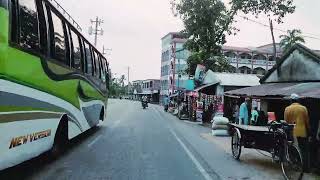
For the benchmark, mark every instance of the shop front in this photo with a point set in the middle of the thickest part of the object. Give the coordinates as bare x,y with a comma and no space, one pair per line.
210,98
297,72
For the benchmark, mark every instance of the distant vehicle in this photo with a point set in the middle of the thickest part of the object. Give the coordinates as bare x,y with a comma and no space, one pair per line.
53,83
144,104
166,107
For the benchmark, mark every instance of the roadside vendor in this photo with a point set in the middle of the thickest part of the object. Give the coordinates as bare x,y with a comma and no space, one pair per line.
254,116
244,113
298,114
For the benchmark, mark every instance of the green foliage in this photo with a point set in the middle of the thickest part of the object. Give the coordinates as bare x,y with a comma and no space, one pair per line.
208,22
276,9
215,63
204,22
290,39
117,87
193,60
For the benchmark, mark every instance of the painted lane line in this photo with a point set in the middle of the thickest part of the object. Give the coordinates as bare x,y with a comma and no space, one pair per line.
192,157
94,141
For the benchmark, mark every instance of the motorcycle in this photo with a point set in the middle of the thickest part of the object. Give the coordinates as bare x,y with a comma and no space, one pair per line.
166,107
144,104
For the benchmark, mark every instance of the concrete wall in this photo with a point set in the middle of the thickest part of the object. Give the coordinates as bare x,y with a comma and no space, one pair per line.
297,67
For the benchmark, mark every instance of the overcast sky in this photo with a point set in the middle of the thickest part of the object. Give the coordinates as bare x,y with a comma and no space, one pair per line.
134,28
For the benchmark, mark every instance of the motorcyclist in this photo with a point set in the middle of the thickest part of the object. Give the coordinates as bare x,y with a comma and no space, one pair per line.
166,101
144,99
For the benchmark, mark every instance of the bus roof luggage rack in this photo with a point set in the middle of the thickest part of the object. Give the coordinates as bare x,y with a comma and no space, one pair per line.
67,15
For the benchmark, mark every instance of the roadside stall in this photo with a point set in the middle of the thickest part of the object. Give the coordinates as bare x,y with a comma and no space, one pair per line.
192,97
211,93
173,103
297,72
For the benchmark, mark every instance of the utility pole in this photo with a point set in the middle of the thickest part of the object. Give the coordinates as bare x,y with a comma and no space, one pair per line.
174,66
128,80
95,30
273,42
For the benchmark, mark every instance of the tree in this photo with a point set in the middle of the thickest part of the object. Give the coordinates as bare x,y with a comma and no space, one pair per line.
122,78
117,87
207,22
204,27
290,39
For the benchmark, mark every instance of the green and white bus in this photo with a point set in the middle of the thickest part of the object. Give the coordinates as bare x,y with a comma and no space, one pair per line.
53,82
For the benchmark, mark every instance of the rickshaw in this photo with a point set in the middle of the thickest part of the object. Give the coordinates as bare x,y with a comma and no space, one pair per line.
277,139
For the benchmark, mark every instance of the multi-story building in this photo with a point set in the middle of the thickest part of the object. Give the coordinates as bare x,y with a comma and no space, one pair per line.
173,64
257,60
149,87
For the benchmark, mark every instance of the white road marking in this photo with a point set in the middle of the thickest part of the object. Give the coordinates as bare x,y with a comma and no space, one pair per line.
94,141
189,153
194,160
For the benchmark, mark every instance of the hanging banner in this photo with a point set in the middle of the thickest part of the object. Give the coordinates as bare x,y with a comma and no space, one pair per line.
199,111
200,72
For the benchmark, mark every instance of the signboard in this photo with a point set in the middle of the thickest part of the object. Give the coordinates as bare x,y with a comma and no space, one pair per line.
199,111
189,84
200,72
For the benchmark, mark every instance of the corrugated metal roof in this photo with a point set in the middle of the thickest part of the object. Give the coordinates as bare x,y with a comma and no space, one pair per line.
305,90
228,79
231,79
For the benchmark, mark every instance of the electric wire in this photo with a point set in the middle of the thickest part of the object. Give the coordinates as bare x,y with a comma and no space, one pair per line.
310,35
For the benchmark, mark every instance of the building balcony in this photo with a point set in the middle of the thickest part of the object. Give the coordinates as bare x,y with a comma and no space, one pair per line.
251,62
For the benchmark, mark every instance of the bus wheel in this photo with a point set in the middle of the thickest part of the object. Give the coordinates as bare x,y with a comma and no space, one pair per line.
102,114
60,140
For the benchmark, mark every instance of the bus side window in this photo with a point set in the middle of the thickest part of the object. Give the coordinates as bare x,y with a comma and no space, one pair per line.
43,27
88,58
93,62
76,51
14,22
96,62
98,65
102,77
68,44
105,69
83,55
28,26
109,75
58,39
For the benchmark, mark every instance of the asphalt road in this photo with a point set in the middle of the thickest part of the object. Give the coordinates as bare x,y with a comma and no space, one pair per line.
137,144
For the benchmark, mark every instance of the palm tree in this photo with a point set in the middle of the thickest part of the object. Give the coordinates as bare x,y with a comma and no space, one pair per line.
290,39
122,78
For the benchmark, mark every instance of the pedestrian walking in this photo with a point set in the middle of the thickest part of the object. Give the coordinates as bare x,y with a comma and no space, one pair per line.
244,113
254,116
298,114
236,113
166,102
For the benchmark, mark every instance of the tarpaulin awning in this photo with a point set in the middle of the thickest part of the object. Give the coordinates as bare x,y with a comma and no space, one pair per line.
279,90
206,89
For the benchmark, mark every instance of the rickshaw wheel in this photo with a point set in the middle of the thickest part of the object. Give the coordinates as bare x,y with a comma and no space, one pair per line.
236,144
292,164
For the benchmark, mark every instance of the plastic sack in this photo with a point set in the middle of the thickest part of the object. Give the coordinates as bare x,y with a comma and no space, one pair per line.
220,120
220,133
219,127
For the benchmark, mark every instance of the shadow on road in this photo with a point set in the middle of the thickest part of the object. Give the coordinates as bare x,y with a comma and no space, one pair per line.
28,168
